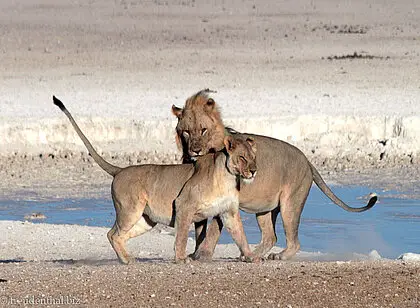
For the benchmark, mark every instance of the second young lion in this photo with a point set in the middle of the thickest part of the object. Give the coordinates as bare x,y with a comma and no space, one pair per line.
284,179
144,195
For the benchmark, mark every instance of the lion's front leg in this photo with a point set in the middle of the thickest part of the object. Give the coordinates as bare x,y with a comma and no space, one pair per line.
233,223
183,221
206,249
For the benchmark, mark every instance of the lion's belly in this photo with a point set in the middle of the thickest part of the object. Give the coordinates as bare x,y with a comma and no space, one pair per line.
253,208
252,199
216,207
160,205
162,214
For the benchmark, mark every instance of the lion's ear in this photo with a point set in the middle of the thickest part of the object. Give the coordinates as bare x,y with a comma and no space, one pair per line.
229,143
210,104
251,142
177,111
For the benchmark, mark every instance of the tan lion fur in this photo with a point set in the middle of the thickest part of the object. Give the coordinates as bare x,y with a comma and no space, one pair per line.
145,195
282,185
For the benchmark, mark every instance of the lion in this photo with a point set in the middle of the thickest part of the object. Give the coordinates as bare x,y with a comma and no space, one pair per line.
284,178
177,195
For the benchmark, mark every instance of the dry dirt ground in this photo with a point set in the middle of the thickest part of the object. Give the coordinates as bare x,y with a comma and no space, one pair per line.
119,63
221,284
54,264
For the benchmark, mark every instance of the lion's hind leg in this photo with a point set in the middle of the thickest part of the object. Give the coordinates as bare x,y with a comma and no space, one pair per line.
291,206
128,224
267,224
141,227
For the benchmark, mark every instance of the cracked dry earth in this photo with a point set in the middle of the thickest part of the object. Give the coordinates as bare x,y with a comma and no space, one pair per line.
217,284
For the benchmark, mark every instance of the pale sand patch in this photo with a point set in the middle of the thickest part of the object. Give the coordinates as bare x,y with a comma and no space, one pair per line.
120,65
27,241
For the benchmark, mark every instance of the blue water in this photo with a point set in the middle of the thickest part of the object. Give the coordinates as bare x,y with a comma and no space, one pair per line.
88,212
392,227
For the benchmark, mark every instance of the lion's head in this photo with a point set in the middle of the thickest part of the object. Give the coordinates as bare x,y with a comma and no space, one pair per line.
241,157
200,129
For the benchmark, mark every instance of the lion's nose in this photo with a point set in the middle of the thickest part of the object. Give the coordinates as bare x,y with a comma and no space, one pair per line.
196,151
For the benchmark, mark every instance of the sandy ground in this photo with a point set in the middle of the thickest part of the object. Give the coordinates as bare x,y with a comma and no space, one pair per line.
337,78
225,284
75,264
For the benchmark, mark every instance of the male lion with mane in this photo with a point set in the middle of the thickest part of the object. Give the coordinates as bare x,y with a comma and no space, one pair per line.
282,185
177,195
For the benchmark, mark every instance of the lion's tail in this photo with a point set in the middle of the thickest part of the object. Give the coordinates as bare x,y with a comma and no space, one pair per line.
327,191
110,169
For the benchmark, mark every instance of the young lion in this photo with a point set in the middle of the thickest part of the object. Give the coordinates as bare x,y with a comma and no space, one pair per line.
284,178
144,195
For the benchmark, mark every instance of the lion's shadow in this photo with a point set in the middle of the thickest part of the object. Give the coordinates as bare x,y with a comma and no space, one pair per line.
81,262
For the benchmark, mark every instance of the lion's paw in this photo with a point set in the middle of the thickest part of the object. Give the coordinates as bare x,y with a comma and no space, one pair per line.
127,260
183,260
202,256
274,256
278,256
250,259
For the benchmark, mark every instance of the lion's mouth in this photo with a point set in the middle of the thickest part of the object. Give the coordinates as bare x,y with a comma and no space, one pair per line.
196,154
248,180
201,152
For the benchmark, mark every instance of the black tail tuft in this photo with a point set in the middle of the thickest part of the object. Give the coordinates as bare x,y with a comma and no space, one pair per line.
58,103
372,201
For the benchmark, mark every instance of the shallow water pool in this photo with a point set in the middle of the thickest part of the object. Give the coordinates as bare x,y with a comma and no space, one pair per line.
391,227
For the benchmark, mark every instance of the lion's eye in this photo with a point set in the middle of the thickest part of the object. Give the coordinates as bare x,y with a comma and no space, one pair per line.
186,133
203,131
243,159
